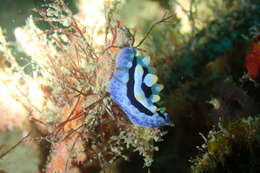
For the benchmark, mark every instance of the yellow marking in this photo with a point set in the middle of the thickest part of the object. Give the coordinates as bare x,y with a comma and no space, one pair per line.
155,98
139,69
153,108
139,96
154,78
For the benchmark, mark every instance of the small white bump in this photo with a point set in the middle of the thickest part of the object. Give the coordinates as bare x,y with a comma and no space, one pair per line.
150,79
146,61
157,87
154,98
153,108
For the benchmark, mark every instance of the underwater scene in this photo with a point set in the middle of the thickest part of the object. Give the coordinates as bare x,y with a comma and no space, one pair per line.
123,86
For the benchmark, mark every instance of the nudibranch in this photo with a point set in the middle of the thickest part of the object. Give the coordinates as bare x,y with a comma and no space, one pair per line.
135,89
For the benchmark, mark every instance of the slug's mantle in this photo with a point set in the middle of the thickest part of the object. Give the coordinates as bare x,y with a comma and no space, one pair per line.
135,89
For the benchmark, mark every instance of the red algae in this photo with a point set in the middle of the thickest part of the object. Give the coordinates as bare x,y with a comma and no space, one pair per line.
253,59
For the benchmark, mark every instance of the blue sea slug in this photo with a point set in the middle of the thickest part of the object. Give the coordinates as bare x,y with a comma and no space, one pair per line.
135,89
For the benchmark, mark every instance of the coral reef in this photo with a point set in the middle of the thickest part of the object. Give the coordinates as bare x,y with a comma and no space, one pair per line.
54,78
73,111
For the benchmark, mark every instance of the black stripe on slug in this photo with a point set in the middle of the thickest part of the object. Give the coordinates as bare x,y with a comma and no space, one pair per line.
130,90
161,115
